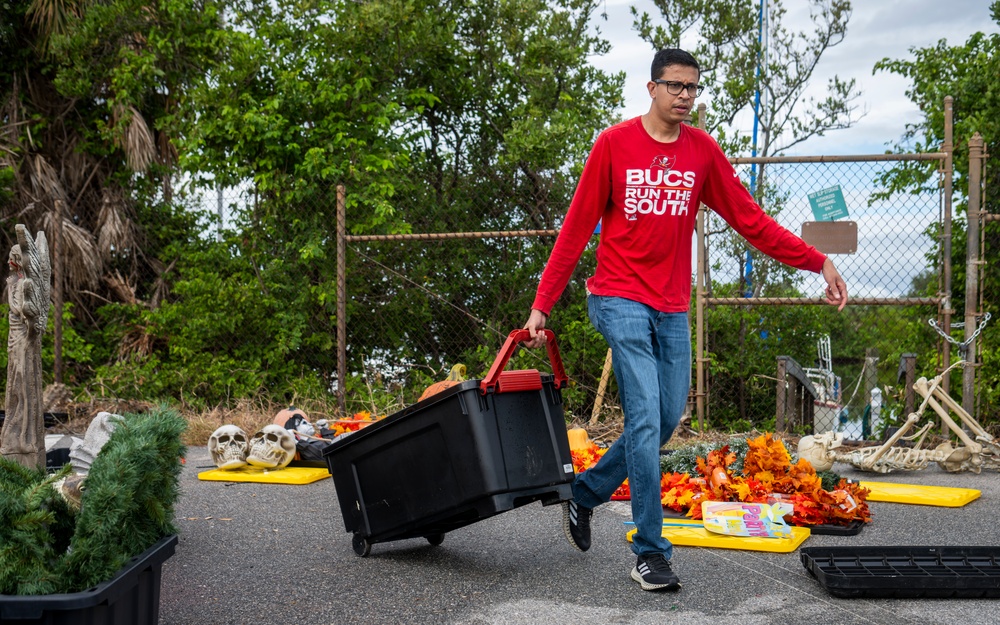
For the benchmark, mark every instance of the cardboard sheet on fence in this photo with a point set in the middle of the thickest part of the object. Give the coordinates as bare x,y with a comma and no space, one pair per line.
690,533
946,496
288,475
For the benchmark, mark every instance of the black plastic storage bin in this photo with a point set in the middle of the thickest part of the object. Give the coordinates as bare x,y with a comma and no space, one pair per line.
131,597
472,451
906,572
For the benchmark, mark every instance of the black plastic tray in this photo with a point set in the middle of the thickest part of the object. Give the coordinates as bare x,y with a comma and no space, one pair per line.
132,596
906,572
851,529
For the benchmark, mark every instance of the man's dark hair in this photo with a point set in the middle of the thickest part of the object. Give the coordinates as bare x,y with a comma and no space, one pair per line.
671,56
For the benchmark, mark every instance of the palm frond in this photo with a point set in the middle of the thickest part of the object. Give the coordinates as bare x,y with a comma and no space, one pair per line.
77,167
115,230
82,264
45,182
121,287
51,17
140,149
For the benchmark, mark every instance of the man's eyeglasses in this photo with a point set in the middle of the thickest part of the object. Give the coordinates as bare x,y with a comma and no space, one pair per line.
675,88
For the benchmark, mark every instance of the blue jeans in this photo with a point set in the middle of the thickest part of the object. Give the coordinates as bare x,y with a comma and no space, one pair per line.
651,355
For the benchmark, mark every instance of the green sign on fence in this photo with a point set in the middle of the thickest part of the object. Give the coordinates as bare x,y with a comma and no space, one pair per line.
828,204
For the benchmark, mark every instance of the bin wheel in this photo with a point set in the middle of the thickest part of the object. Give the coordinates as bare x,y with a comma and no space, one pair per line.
435,539
361,545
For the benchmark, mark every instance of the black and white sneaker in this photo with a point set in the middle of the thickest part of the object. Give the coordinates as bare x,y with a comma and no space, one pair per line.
576,524
653,573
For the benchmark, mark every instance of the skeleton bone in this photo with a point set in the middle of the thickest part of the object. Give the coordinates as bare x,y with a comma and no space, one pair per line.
898,457
930,393
985,449
974,455
950,458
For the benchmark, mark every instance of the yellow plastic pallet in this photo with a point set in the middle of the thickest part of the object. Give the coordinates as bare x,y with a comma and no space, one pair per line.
946,496
690,533
288,475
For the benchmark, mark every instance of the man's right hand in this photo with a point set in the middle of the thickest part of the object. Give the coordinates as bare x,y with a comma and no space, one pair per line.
836,288
534,326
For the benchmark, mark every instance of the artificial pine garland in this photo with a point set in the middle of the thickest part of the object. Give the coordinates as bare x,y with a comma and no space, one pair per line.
35,526
685,459
128,505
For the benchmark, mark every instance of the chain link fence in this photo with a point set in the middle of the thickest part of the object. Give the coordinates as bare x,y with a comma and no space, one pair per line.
449,285
443,298
775,357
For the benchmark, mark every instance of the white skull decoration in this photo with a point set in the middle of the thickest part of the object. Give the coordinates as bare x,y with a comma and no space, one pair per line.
271,447
818,449
228,446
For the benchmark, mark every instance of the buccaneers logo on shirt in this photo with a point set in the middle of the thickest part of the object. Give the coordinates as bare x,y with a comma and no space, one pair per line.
664,162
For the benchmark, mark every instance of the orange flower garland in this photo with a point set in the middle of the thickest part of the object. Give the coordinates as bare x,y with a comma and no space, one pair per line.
357,421
768,475
587,457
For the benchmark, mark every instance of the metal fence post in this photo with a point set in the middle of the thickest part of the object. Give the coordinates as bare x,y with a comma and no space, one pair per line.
947,309
972,262
908,371
702,253
341,299
782,395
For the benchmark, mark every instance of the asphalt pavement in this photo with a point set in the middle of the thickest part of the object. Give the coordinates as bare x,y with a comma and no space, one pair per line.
266,554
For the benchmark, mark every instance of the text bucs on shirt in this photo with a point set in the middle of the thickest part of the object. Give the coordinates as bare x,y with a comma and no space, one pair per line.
658,190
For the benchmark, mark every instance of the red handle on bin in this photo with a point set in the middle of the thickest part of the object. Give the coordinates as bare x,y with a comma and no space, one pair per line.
489,383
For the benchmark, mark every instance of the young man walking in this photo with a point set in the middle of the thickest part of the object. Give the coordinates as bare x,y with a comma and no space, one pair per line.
643,182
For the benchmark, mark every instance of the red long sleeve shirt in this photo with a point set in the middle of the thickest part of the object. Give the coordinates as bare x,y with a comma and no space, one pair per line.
646,194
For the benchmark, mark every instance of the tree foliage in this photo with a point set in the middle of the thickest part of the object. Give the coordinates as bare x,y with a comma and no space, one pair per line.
967,73
498,149
735,65
457,116
90,99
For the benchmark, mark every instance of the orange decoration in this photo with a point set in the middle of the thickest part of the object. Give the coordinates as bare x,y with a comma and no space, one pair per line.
768,476
718,477
354,423
456,375
436,388
587,457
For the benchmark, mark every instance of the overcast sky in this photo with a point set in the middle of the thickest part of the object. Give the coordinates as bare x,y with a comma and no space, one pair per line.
877,29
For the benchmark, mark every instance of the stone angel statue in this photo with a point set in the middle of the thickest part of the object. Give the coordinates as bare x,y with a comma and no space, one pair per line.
29,287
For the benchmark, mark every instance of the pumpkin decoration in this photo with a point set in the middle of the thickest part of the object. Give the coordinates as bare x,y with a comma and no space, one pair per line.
290,418
456,375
